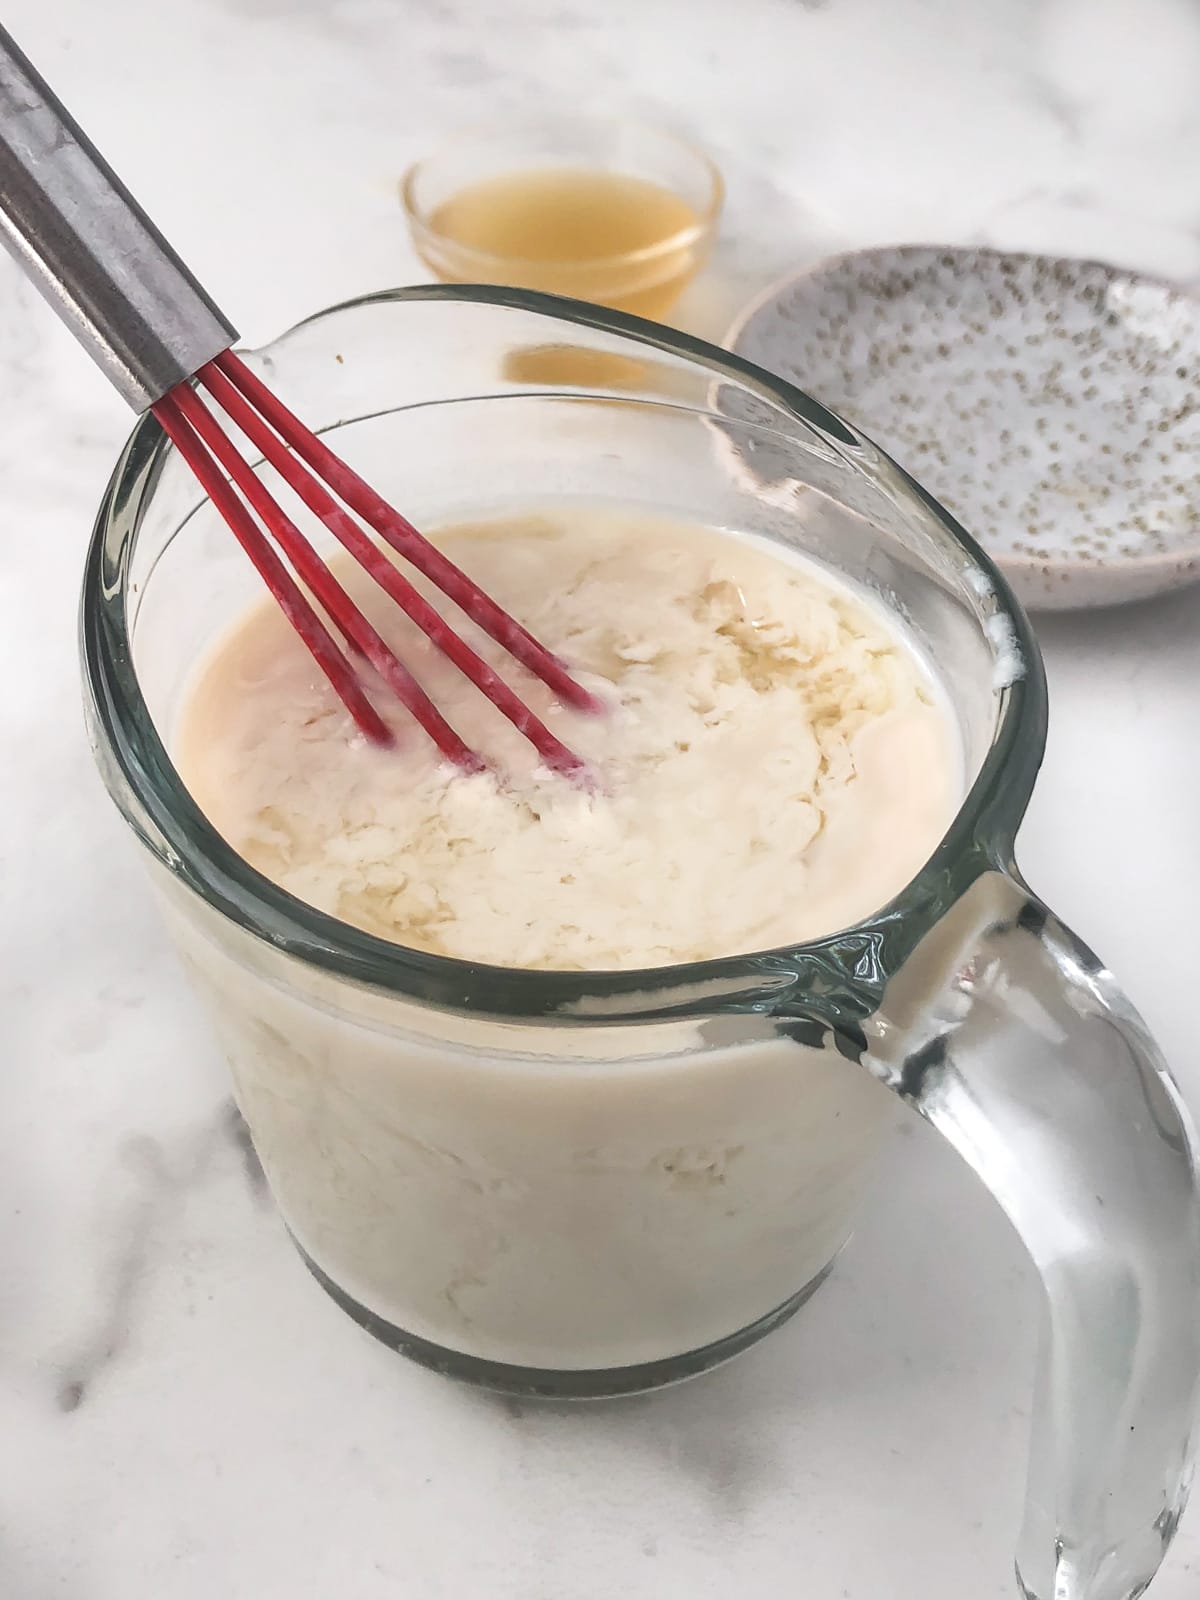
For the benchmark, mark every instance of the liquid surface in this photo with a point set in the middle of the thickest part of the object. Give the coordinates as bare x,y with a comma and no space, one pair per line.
775,762
563,215
571,231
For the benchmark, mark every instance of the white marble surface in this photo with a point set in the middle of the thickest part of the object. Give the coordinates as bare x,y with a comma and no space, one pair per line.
182,1414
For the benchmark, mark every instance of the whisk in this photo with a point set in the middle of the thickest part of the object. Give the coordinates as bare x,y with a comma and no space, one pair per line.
152,329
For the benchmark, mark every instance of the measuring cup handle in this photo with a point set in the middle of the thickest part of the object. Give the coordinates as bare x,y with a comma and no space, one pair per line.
1008,1035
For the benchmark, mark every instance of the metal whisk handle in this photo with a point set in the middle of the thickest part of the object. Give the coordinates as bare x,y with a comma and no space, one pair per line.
91,249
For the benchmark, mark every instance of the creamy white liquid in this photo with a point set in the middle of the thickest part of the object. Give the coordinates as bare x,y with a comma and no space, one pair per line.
775,763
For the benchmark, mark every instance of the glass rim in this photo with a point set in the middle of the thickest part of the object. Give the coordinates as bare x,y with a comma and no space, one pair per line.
853,962
706,221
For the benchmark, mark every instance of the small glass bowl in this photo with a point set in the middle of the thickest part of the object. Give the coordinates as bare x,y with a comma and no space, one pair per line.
646,281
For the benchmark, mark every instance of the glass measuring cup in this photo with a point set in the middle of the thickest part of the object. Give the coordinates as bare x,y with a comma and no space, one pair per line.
592,1182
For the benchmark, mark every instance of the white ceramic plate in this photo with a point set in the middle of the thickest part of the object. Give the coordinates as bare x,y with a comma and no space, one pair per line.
1053,406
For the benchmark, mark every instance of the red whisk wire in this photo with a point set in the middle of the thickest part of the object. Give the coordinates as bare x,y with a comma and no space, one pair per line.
402,536
321,582
226,392
302,461
271,569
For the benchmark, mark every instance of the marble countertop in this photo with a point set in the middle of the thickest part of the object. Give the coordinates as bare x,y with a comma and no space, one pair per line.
182,1413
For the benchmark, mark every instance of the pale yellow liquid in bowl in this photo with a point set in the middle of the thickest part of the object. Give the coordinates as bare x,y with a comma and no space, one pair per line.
607,237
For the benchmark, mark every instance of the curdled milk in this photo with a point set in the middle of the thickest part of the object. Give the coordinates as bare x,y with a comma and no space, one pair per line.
774,762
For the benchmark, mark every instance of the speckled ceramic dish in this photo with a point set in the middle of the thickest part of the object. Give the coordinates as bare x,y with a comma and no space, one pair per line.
1053,406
